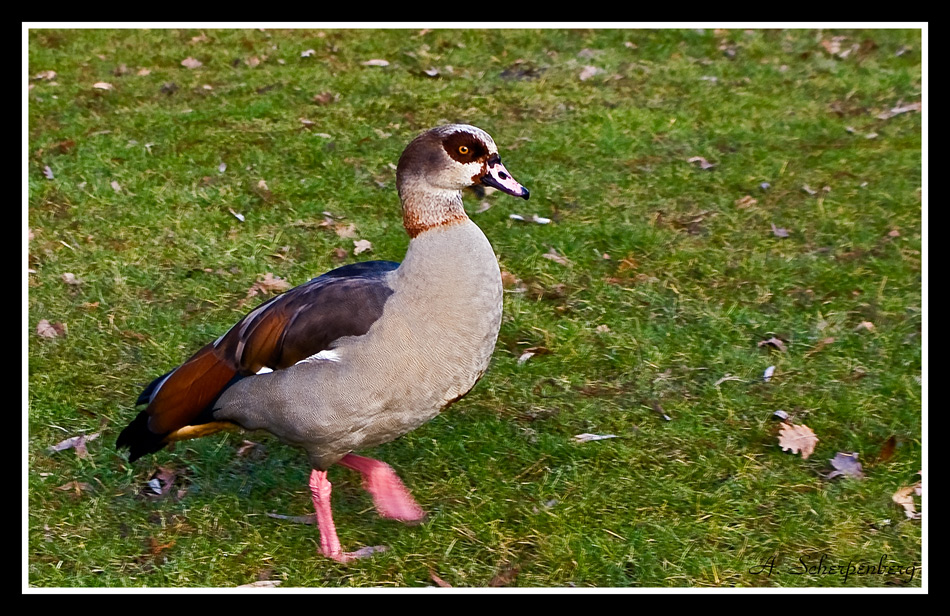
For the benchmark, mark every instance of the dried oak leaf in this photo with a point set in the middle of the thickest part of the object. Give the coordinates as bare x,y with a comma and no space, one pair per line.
438,581
797,438
905,498
269,284
703,163
774,342
554,256
361,246
46,329
76,442
846,464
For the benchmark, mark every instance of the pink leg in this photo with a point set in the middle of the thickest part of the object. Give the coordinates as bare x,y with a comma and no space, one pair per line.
329,542
391,498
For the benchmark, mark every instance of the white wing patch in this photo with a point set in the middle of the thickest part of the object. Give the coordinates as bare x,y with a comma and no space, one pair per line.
264,370
324,355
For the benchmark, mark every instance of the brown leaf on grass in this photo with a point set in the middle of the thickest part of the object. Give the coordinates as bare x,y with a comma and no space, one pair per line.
345,231
531,352
438,581
505,576
775,343
890,113
155,548
191,63
102,85
779,231
160,483
703,163
905,498
269,284
325,98
375,62
747,201
45,75
554,256
589,71
797,438
846,464
76,487
70,279
361,246
76,442
46,329
887,449
247,447
511,282
865,325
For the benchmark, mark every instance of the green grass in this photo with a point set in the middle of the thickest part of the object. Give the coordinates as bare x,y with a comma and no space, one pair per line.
693,283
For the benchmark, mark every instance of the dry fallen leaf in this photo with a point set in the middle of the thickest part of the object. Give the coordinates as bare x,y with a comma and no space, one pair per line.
554,256
774,342
247,447
77,487
70,278
504,577
531,352
190,62
846,464
779,231
376,62
890,113
887,449
703,163
865,325
438,581
747,201
76,442
102,85
345,231
50,330
797,438
161,481
589,71
269,284
262,584
155,548
905,498
767,375
361,246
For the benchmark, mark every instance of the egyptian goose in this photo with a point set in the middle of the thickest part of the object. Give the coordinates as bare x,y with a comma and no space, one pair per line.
362,354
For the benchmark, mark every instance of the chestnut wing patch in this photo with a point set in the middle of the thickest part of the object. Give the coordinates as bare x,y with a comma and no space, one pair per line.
279,333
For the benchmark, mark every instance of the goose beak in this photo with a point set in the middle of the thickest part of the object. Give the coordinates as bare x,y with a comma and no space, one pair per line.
498,177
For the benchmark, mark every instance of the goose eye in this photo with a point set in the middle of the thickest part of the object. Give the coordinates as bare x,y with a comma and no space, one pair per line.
463,149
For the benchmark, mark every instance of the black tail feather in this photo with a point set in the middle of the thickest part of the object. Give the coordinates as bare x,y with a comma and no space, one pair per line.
139,439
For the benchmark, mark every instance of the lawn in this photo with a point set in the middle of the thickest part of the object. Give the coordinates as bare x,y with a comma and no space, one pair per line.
719,203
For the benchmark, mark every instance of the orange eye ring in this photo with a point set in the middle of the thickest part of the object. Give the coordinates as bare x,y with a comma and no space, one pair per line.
463,149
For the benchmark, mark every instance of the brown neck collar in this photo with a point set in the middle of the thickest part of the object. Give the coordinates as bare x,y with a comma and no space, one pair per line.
432,211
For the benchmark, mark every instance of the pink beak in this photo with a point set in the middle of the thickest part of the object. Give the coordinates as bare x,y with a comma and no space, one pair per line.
498,177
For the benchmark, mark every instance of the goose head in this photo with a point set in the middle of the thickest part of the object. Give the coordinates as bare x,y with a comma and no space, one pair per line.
438,164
